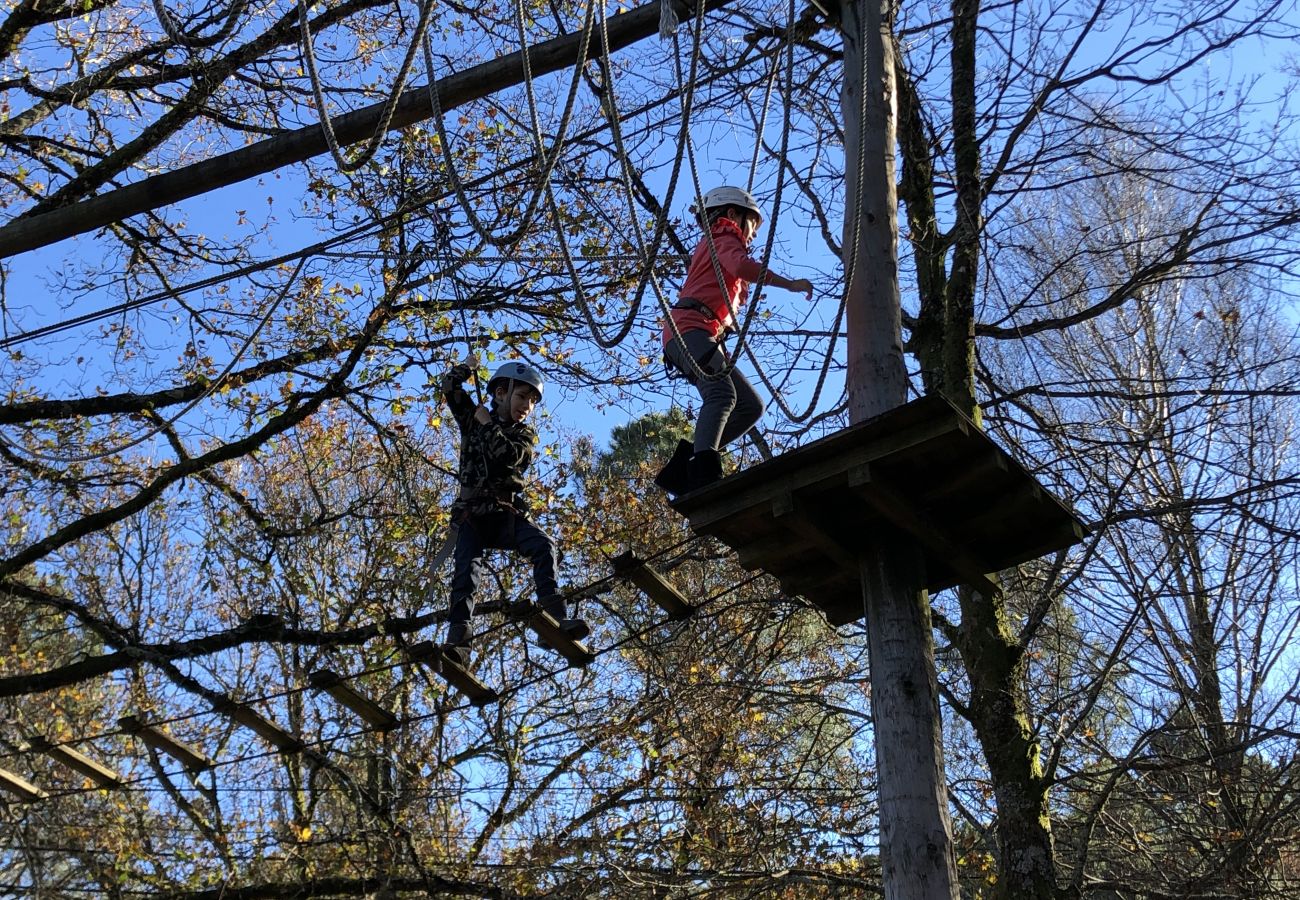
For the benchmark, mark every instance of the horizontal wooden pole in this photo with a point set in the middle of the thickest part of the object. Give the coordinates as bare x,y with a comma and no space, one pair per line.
475,83
78,762
193,759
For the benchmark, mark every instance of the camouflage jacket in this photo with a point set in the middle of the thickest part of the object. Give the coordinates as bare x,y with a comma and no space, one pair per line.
493,456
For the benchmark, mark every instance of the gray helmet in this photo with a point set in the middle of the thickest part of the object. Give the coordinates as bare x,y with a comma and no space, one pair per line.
728,196
516,371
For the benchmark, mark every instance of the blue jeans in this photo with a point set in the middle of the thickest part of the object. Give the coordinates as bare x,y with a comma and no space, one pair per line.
501,530
730,406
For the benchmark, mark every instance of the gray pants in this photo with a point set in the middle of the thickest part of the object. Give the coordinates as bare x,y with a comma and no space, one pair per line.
730,405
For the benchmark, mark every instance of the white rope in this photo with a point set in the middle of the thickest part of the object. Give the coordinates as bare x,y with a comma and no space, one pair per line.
172,28
667,20
548,159
376,140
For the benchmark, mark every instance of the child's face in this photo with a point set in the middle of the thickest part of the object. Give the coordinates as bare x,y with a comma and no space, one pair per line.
516,405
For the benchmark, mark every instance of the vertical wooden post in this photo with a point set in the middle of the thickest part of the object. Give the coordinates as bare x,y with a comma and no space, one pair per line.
917,859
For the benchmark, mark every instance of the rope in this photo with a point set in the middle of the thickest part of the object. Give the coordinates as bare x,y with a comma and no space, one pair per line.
390,105
548,160
168,423
172,28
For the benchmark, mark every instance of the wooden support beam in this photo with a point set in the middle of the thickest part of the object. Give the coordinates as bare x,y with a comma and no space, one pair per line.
785,507
78,762
430,654
370,711
304,143
266,729
921,528
20,787
636,570
159,740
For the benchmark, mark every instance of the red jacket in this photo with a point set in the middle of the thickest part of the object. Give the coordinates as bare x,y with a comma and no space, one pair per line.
738,270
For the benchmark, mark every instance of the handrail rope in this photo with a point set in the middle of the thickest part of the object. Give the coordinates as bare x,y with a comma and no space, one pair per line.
646,259
776,393
318,248
583,591
648,256
160,426
547,674
742,334
375,141
548,160
762,119
172,28
580,295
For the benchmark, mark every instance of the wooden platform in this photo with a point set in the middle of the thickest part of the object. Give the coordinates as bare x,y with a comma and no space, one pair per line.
923,469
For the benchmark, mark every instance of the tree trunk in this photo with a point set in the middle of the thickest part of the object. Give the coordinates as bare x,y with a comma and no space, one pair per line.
917,860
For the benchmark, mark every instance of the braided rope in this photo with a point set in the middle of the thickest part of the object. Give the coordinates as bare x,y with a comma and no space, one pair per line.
172,28
376,140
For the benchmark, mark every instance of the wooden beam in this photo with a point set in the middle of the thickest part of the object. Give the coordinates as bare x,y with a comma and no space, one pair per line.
370,711
636,570
921,528
78,762
21,787
430,654
413,106
550,631
159,740
266,729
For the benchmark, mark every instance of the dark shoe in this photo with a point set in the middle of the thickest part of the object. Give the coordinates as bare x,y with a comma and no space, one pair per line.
674,476
574,629
705,469
459,633
458,653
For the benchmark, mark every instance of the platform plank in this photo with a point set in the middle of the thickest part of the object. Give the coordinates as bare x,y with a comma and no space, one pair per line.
923,470
430,654
550,631
654,585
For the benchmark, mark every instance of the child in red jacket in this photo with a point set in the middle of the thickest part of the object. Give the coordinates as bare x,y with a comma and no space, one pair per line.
704,313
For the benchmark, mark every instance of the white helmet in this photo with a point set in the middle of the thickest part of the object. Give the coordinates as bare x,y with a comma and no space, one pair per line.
516,371
728,196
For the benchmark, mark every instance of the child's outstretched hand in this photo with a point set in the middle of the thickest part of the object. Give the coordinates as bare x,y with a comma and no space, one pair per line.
802,286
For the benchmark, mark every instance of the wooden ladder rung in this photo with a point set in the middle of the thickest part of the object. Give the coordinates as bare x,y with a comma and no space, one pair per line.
23,788
636,570
429,654
78,762
370,711
550,631
266,729
188,756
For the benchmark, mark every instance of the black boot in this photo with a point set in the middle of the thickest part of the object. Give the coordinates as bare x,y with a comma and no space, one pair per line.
705,469
457,645
576,629
674,475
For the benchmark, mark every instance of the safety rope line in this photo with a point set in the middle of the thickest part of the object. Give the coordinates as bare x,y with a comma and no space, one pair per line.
171,25
376,140
159,427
